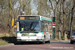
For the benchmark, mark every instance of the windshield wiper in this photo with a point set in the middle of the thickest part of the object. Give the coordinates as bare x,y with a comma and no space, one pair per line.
31,25
35,26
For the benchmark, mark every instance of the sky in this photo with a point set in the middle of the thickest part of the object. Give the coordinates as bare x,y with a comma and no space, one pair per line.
34,6
17,5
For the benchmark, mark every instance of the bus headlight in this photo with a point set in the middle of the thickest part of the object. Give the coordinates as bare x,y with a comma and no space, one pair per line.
40,36
18,34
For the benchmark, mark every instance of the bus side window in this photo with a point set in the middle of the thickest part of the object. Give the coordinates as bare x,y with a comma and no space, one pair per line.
44,27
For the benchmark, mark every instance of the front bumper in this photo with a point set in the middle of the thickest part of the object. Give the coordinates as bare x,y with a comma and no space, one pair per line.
30,40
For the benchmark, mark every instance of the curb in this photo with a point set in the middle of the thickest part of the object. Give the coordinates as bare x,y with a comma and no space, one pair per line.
60,40
6,45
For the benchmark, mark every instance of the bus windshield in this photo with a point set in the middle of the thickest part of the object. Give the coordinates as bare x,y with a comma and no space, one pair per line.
30,26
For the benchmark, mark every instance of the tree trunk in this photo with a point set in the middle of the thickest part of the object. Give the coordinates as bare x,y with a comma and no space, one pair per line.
10,17
72,13
71,21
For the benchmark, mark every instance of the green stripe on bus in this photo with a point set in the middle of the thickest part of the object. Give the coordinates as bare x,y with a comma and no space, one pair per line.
40,32
18,33
45,19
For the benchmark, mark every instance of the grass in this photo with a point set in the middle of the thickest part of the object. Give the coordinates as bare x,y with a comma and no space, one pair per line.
7,39
56,39
3,42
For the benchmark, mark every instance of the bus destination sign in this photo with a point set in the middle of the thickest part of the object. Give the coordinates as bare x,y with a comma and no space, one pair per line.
29,18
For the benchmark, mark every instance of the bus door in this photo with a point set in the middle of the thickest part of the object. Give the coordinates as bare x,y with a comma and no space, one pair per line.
47,35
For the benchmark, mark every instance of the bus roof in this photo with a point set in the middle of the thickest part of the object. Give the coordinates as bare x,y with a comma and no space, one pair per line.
46,18
41,17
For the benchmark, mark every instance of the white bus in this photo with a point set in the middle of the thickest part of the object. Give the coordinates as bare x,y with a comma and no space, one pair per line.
33,29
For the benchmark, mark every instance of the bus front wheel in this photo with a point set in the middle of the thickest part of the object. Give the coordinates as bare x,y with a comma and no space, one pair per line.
49,41
44,40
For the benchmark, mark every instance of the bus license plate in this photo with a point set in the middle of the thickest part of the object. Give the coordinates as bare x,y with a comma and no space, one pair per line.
29,40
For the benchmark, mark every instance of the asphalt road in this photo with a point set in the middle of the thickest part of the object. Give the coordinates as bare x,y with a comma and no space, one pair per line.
35,46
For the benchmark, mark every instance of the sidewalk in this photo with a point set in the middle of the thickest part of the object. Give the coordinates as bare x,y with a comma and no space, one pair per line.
60,40
6,45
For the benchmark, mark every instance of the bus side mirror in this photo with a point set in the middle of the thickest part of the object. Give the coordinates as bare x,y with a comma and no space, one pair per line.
13,22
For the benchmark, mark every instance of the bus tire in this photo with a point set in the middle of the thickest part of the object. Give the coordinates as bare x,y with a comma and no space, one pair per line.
49,41
44,40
